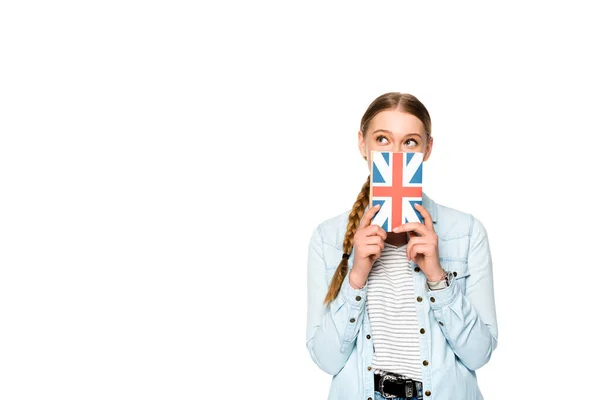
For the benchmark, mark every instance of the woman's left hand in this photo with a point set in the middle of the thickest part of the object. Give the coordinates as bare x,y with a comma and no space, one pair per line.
423,249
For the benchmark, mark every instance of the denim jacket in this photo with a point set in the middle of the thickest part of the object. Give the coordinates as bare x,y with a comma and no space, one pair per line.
459,321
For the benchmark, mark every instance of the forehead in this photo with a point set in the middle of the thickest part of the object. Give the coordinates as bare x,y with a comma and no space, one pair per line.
397,122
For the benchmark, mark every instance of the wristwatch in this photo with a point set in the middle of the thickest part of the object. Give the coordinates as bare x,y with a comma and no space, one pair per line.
443,283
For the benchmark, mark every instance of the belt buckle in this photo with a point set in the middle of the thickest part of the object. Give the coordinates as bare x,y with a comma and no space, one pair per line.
386,377
408,389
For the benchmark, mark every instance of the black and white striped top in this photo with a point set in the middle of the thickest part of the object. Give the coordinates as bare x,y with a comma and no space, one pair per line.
393,314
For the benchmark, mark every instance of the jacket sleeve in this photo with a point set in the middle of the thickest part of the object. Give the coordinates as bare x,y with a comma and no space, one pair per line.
331,331
468,321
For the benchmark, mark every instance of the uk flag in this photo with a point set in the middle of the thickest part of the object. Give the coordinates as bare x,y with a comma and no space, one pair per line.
397,185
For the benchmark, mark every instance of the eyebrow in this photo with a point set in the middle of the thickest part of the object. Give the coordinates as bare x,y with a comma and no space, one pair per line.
389,132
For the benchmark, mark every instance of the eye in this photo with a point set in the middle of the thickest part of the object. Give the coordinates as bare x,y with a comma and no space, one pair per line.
379,137
412,140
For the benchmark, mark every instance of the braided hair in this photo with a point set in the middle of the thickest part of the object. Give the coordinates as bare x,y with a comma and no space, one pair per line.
353,222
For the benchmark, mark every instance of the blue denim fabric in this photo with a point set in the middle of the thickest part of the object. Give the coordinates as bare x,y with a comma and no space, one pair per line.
459,325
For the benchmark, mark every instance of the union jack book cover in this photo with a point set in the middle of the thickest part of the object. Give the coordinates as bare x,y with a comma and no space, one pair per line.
397,185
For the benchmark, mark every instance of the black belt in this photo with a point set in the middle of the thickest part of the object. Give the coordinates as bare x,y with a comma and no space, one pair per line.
390,385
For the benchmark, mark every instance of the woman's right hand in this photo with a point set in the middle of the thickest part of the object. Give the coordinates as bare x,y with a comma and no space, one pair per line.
368,244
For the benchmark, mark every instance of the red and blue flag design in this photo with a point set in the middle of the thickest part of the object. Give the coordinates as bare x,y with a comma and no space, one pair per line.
397,185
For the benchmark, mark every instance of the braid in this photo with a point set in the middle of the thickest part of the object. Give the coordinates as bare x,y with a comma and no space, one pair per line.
358,210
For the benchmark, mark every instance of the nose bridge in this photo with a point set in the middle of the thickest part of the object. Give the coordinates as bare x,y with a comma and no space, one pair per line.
397,146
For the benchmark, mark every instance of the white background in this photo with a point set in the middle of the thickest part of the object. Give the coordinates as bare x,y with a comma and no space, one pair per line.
162,165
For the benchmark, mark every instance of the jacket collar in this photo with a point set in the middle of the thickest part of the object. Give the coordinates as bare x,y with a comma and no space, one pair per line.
430,206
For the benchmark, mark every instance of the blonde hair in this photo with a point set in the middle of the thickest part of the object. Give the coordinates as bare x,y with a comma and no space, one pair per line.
388,101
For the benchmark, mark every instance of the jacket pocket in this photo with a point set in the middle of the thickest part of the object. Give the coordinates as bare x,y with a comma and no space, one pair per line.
332,256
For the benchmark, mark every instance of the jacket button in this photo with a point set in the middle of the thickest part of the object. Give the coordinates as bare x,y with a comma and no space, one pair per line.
368,336
419,299
425,363
454,273
358,298
422,330
427,393
433,299
417,269
369,368
352,320
441,323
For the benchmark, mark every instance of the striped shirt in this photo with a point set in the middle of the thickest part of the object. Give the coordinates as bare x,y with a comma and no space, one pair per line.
393,314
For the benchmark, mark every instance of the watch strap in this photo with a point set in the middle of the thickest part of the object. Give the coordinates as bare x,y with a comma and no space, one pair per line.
443,283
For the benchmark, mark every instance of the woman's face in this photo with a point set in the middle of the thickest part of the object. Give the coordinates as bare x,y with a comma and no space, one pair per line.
396,131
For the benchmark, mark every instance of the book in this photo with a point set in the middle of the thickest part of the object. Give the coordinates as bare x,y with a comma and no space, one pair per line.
397,185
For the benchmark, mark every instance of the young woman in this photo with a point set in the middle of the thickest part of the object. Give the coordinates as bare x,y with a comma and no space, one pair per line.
408,314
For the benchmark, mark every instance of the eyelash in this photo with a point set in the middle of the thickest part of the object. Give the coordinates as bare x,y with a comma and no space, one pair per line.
378,137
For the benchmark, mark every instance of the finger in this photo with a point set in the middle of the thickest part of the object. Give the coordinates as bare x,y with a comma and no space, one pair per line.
381,232
366,219
412,234
373,230
416,250
375,240
427,220
411,243
373,250
418,240
412,226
